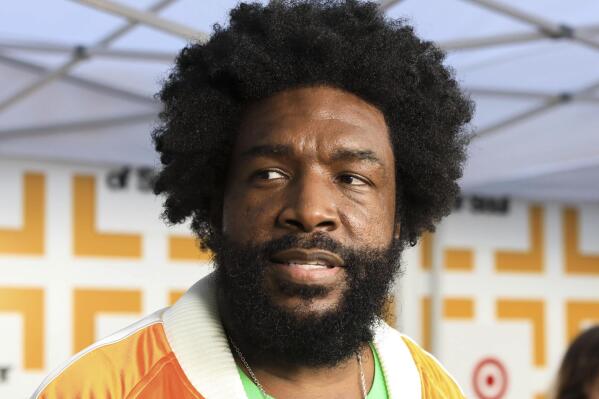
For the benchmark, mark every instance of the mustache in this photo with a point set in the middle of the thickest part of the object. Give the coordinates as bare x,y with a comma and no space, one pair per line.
249,259
313,241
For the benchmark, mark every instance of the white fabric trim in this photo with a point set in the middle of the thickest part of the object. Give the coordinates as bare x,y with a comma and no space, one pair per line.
120,335
401,373
195,333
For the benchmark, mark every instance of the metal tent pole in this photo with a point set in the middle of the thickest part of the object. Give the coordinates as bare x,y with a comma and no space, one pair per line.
508,38
550,103
587,91
384,5
75,60
549,28
82,82
489,41
547,105
525,94
146,18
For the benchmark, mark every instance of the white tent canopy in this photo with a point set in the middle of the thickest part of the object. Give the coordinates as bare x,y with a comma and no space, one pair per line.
77,79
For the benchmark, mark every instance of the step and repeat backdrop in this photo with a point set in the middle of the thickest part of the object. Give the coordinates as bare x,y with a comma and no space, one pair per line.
83,253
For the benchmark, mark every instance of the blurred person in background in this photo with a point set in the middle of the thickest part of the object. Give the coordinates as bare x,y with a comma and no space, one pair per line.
309,142
578,376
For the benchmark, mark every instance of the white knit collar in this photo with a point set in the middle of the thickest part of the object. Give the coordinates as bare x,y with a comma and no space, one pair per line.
401,374
195,333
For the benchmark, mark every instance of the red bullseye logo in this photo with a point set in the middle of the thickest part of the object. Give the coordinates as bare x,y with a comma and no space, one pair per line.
489,379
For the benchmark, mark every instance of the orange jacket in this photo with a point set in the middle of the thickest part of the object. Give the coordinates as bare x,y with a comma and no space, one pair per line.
182,352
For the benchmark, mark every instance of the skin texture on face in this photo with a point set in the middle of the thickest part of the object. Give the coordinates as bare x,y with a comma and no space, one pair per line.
593,389
311,160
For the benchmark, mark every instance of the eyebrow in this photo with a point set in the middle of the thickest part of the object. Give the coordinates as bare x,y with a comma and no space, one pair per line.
346,154
278,150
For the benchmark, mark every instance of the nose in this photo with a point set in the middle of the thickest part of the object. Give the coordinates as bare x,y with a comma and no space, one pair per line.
309,206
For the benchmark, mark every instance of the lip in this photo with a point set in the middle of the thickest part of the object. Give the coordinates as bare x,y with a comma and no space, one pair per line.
308,256
308,266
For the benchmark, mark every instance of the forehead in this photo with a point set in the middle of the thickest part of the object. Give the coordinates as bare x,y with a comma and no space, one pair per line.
314,117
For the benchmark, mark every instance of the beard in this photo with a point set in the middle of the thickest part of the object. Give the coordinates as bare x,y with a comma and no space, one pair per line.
266,330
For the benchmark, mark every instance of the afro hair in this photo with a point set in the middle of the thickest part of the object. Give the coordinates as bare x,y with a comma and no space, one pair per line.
348,45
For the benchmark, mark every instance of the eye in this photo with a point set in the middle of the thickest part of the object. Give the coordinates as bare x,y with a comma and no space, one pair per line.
352,180
269,174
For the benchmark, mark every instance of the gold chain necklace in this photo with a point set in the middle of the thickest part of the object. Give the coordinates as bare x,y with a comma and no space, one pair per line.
267,396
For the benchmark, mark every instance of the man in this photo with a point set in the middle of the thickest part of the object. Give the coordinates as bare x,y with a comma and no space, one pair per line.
309,142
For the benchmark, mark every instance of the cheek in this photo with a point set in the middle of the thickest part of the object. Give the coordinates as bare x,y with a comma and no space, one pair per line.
246,217
594,389
371,222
